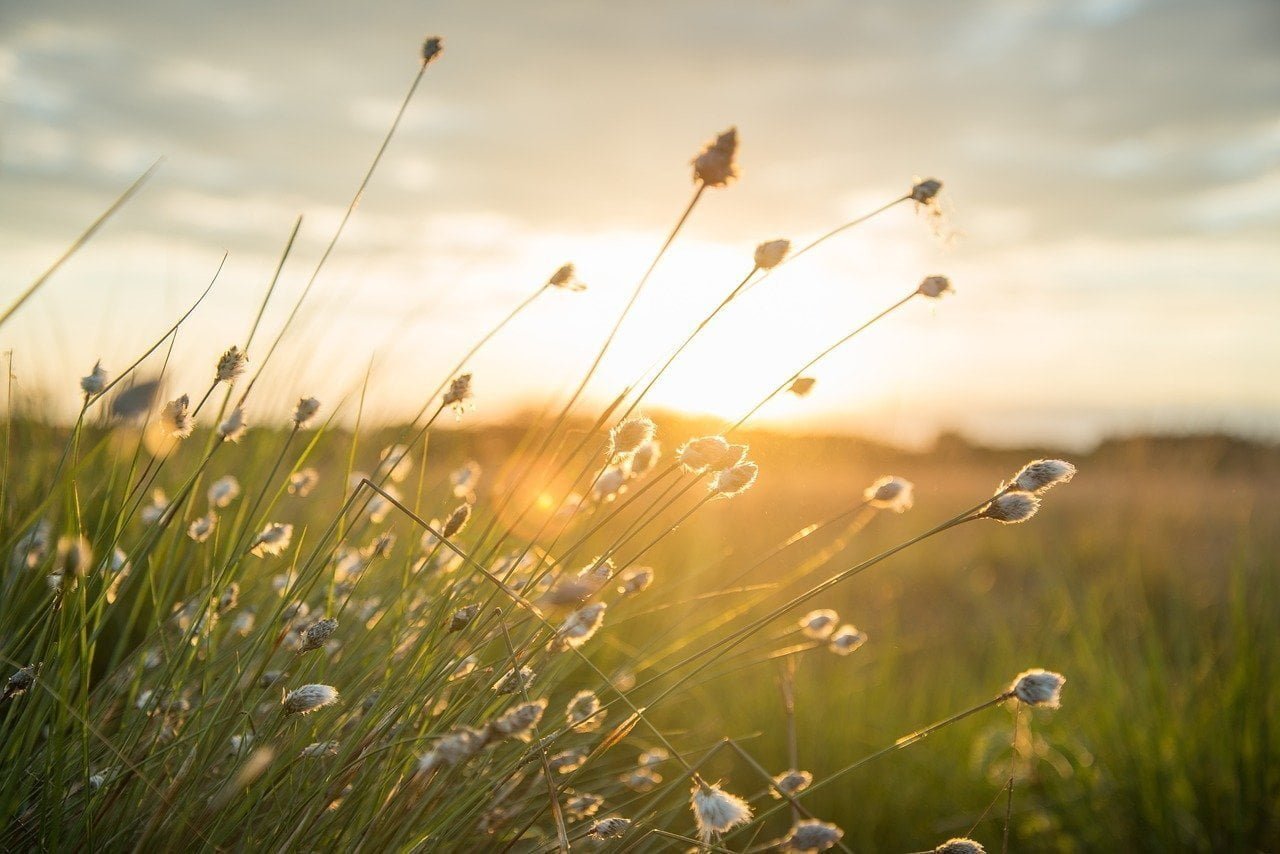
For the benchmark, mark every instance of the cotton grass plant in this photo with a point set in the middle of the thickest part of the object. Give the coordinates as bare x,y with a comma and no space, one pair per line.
220,638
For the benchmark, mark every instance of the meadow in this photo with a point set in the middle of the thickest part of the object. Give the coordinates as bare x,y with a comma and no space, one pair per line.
234,622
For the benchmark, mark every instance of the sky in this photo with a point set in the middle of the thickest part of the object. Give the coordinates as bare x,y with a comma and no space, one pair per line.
1112,201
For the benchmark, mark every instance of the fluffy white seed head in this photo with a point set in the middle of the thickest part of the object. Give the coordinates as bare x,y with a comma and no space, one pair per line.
791,782
302,482
609,827
318,749
567,761
456,521
518,722
810,834
272,540
318,634
394,463
305,410
95,382
610,484
820,623
960,845
734,481
645,458
1039,688
771,253
176,418
308,698
716,165
1040,475
635,580
582,804
709,453
153,512
233,426
716,811
653,757
583,712
223,491
579,626
1009,508
924,191
200,529
453,749
891,493
232,365
934,287
514,680
459,392
845,640
464,479
629,435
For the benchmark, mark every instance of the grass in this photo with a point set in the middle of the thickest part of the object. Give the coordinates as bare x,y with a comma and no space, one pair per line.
160,684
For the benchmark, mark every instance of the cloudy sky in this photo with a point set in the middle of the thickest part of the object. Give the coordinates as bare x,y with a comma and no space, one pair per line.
1113,201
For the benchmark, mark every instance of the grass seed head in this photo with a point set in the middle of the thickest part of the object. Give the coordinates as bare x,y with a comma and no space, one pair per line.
514,680
583,712
716,811
520,721
318,634
934,287
223,491
891,493
233,427
459,393
791,782
177,419
924,192
232,365
456,521
272,540
200,528
1039,688
810,834
845,640
960,845
1040,475
627,437
635,580
802,386
609,827
819,624
579,627
565,279
462,617
308,698
93,384
734,481
303,481
1010,508
716,165
305,410
21,680
582,804
432,47
771,253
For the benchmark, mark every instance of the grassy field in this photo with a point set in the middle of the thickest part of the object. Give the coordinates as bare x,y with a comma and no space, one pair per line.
1149,582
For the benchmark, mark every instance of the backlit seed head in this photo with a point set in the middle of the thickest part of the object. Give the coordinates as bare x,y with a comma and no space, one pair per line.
32,547
567,761
233,426
960,845
924,191
459,392
819,624
464,668
319,748
272,540
514,680
394,463
1009,508
200,529
177,419
610,484
270,678
812,835
801,386
432,47
641,780
645,458
463,617
628,436
95,382
709,453
934,287
21,680
464,479
232,365
318,634
457,521
635,580
583,712
223,491
609,827
74,556
579,626
734,481
308,698
153,512
716,811
791,782
453,749
230,597
771,253
716,165
891,493
565,279
653,757
302,482
845,640
1039,688
518,722
305,410
1040,475
582,805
